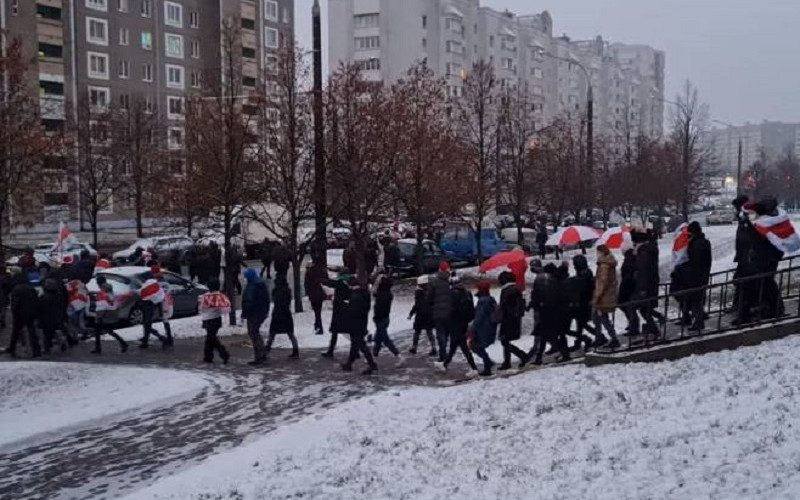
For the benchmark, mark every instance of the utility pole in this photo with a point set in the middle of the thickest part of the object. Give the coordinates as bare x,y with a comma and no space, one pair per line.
739,170
319,250
589,138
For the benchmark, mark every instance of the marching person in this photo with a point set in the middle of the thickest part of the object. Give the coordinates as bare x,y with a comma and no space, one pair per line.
77,300
381,315
700,261
212,306
463,314
549,301
441,307
627,287
312,283
52,311
604,300
24,302
281,259
647,280
358,319
423,320
341,304
255,309
282,321
512,309
266,258
580,289
763,293
106,315
152,296
484,327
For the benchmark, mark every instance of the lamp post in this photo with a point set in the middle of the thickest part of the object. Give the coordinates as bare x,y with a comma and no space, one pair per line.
589,110
739,160
319,252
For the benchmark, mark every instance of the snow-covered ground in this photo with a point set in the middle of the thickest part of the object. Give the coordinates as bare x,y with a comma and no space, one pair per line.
716,426
43,399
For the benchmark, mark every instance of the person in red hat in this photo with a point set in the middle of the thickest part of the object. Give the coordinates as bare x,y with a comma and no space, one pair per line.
441,304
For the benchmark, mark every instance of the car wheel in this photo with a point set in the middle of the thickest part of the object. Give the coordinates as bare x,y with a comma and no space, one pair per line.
136,316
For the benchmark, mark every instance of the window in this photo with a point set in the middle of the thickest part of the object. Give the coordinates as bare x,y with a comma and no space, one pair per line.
373,64
174,107
195,49
124,69
368,42
248,81
175,138
271,63
97,31
455,47
286,19
173,14
424,22
56,199
248,52
46,12
123,5
174,45
99,96
97,4
366,20
50,50
175,77
14,7
271,10
507,63
194,19
147,40
147,72
538,73
51,88
248,24
124,36
454,25
124,101
537,90
424,43
491,41
98,65
147,8
271,38
195,80
453,69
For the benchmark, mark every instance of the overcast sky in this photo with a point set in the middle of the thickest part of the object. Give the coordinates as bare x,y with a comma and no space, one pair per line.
743,55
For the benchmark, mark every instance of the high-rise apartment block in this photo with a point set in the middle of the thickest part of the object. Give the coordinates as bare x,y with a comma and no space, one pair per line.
112,53
386,37
768,140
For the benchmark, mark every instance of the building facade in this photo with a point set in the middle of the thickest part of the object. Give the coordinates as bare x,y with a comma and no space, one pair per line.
114,53
386,37
769,140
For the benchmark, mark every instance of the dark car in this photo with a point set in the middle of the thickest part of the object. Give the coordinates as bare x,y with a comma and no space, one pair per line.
126,283
431,258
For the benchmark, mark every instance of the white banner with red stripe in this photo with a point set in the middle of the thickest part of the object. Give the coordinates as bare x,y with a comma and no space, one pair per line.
152,292
213,305
77,296
779,230
680,245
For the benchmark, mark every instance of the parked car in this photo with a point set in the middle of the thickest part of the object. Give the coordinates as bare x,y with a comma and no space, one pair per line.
126,283
460,243
528,243
721,217
44,253
161,244
431,258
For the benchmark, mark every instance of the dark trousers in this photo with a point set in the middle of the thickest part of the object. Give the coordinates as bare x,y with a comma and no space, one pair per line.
442,336
212,342
266,269
253,331
165,322
148,312
103,329
487,361
358,345
509,349
17,326
428,333
317,307
542,250
332,344
458,340
552,330
647,311
382,338
292,339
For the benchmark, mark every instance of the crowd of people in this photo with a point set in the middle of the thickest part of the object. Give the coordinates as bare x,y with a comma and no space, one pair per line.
578,304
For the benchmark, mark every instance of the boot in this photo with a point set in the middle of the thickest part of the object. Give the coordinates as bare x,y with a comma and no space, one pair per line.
413,350
588,342
504,367
294,355
614,344
370,370
433,353
600,341
123,348
327,354
346,367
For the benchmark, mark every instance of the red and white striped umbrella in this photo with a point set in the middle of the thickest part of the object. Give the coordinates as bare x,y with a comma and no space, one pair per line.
572,236
615,238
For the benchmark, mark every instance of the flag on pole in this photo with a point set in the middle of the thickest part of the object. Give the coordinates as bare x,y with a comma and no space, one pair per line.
65,240
778,229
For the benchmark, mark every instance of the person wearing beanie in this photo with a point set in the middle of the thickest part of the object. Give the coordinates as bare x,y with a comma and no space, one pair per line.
699,275
580,289
212,306
282,321
441,307
604,298
484,327
423,320
463,313
646,288
255,309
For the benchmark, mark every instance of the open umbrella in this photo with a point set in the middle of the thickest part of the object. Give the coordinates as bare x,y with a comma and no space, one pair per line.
680,244
502,259
615,237
572,236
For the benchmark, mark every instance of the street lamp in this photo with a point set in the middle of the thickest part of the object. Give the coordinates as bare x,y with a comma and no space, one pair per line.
320,196
589,107
739,161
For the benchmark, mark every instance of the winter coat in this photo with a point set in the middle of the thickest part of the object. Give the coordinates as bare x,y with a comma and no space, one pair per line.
744,241
439,297
255,300
463,307
52,308
24,301
627,286
83,270
350,258
281,259
391,255
763,257
313,284
423,320
512,307
604,299
383,305
282,321
265,253
699,253
341,305
484,327
541,237
550,302
647,275
358,311
680,278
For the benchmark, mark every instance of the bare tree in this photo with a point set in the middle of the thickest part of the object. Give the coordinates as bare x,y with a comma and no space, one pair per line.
689,128
287,161
363,146
476,116
24,144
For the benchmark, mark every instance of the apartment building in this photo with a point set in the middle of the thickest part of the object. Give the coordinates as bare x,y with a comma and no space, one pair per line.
770,139
385,37
114,53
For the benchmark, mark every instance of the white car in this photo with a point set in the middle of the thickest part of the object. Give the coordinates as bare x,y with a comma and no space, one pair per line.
161,244
44,253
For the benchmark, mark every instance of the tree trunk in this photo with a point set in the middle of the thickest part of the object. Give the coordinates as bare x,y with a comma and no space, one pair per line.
229,288
139,230
419,250
94,228
478,242
298,290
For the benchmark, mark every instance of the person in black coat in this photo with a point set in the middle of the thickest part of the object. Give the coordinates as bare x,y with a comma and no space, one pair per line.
312,283
512,309
423,318
763,258
215,260
647,281
463,313
699,275
24,304
381,317
52,310
371,253
266,257
358,319
549,301
580,289
84,269
281,259
541,240
743,245
282,321
255,309
341,304
627,285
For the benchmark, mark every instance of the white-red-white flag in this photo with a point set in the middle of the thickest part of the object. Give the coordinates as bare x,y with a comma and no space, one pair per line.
779,230
65,238
680,245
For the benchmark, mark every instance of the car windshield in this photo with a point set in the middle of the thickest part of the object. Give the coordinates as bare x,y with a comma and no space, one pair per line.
407,249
